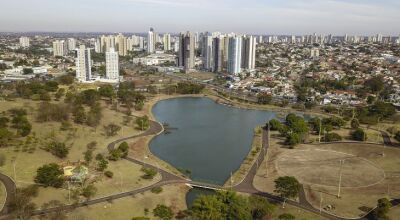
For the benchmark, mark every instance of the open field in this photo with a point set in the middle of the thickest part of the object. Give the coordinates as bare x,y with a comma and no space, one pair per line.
126,208
394,213
300,214
366,175
24,157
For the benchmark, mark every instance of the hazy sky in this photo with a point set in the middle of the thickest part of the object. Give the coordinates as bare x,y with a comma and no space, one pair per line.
242,16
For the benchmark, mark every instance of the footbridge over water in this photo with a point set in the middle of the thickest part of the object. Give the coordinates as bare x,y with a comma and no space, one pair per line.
203,185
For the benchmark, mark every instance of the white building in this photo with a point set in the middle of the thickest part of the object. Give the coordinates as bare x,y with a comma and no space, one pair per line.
59,48
314,53
112,66
167,42
83,64
24,42
207,52
235,55
121,43
71,44
151,41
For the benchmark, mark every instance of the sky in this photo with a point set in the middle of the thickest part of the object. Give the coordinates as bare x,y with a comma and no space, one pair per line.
355,17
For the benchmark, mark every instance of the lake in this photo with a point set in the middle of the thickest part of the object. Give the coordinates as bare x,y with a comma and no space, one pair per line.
206,138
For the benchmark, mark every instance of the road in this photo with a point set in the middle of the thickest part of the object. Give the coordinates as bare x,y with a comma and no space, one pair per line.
10,192
167,178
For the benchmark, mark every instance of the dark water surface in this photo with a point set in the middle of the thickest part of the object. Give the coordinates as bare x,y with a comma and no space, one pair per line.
210,140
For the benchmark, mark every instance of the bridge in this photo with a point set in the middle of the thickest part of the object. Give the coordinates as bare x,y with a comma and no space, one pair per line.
205,185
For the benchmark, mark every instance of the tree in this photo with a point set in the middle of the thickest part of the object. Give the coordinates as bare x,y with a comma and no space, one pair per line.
5,136
163,212
88,156
293,139
58,149
111,129
222,205
260,207
102,164
359,135
287,187
21,206
330,137
124,148
355,123
114,154
57,214
380,213
27,71
264,98
107,91
149,173
50,175
89,191
143,122
286,216
274,125
375,84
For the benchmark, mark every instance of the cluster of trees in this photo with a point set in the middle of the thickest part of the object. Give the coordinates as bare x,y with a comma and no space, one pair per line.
188,88
120,152
264,98
50,175
295,129
143,123
36,90
229,205
381,211
21,207
58,149
20,122
128,96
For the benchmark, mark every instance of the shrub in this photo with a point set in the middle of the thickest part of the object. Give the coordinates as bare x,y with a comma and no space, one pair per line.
330,137
109,174
359,135
157,190
149,173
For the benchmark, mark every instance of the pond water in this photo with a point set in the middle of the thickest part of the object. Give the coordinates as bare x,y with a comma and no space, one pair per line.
206,139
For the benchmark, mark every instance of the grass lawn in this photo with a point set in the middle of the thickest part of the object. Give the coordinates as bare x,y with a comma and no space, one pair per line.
300,214
25,162
129,207
394,213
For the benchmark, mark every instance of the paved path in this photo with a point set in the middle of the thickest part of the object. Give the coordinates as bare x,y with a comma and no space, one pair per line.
10,192
246,186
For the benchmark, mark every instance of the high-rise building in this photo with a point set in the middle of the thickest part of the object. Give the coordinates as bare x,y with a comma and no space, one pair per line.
59,48
249,53
71,44
186,51
218,54
151,41
176,44
234,55
167,42
121,44
107,42
97,46
207,47
83,64
112,65
24,42
314,53
141,43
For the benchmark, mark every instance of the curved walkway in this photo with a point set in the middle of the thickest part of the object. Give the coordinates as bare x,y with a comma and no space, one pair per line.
246,186
10,186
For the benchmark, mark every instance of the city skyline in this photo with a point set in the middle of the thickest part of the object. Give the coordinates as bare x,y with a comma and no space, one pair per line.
353,17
